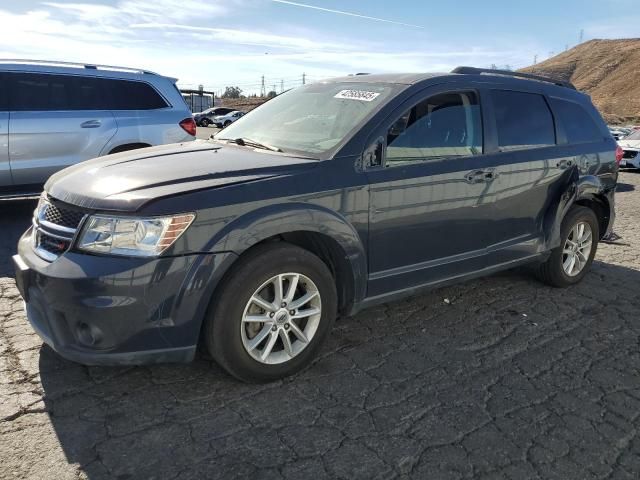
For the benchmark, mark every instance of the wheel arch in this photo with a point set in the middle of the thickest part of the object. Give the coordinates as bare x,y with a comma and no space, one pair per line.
587,191
319,230
125,147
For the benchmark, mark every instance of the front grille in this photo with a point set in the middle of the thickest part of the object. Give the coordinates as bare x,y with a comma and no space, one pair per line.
51,244
630,154
61,216
54,227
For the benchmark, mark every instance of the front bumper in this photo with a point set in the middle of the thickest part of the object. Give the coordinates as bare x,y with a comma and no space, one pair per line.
106,310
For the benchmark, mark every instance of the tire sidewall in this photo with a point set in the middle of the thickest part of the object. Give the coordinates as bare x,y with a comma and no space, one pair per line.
225,339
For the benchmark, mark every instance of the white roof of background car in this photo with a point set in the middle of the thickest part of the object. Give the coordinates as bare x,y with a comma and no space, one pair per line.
53,65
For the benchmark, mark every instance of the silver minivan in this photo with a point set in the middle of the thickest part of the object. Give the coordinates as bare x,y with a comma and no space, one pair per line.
53,115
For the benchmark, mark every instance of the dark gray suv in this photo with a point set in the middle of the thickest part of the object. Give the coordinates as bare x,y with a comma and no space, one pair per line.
328,199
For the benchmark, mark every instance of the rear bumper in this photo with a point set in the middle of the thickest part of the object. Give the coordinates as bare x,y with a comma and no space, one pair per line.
100,310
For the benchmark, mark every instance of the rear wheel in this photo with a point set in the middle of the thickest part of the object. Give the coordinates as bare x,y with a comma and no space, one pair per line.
272,314
205,122
570,262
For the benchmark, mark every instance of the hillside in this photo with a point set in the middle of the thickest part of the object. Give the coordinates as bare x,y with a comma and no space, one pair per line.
608,70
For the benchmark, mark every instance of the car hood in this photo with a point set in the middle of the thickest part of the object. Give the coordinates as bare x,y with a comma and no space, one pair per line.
126,181
629,143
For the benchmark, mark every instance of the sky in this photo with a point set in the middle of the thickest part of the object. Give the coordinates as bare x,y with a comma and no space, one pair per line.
220,43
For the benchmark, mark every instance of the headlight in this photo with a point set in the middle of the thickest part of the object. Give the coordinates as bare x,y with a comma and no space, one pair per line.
141,237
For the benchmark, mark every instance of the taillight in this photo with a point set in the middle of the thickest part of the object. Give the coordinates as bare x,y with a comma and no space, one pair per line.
189,126
619,154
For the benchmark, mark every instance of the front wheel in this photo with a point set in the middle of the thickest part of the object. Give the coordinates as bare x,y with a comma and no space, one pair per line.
570,262
205,122
227,123
272,313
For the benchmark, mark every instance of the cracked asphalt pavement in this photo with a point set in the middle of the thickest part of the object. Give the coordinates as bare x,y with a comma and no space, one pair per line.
501,377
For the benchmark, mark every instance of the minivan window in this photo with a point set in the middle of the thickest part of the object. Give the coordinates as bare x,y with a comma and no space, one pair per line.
576,121
445,125
42,92
523,120
4,87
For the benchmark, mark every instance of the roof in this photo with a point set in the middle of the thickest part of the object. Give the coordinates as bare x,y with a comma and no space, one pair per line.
413,78
396,78
47,66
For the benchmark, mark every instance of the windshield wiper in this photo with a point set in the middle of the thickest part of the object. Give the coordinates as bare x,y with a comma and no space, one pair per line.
247,142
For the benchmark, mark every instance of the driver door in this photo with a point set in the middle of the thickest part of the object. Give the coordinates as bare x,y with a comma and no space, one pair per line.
428,205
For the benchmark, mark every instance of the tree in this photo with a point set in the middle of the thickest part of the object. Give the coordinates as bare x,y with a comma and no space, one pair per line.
272,94
232,92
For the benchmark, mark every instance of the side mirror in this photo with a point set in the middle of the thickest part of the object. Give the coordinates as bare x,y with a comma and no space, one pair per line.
373,155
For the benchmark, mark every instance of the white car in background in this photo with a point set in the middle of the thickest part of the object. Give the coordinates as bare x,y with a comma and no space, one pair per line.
222,121
631,147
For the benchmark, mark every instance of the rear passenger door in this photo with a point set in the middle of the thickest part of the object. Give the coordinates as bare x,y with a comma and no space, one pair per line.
5,171
56,121
529,172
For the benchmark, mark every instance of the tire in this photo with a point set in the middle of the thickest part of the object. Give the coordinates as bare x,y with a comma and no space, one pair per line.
552,271
228,337
205,122
227,123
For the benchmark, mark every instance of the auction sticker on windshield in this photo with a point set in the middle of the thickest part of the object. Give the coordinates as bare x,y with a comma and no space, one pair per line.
356,95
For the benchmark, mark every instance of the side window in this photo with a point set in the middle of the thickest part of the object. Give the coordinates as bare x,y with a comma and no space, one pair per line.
91,93
578,124
4,88
523,120
40,92
445,125
132,95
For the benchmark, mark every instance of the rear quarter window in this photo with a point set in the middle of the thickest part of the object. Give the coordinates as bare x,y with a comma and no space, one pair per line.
523,120
578,125
130,95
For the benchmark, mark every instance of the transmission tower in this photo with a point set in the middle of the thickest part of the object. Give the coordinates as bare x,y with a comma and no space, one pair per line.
263,90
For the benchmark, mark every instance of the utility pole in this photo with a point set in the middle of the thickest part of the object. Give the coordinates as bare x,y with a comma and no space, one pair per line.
281,85
263,92
581,34
304,78
535,59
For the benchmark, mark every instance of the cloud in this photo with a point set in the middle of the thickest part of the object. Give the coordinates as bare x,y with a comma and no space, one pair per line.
178,39
342,12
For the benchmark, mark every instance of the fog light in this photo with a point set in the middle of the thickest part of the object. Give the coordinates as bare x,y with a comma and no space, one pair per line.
88,335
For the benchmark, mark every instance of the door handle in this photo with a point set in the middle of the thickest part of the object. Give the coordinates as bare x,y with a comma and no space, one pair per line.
481,176
564,164
91,124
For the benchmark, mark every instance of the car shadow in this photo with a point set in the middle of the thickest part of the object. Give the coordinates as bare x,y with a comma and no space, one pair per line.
625,187
389,380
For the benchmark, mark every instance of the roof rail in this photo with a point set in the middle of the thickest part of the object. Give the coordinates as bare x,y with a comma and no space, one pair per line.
92,66
509,73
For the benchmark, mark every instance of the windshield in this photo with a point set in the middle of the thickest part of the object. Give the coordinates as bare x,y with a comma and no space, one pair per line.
312,119
634,136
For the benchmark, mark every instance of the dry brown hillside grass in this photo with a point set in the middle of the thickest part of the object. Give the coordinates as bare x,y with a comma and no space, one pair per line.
608,70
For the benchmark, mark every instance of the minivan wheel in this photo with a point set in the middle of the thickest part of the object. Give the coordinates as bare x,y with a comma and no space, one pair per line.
272,313
571,261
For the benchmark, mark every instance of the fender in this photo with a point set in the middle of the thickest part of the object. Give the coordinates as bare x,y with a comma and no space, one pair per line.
272,220
587,187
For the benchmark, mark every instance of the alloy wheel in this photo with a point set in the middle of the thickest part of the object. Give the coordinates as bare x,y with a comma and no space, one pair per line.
577,248
281,318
